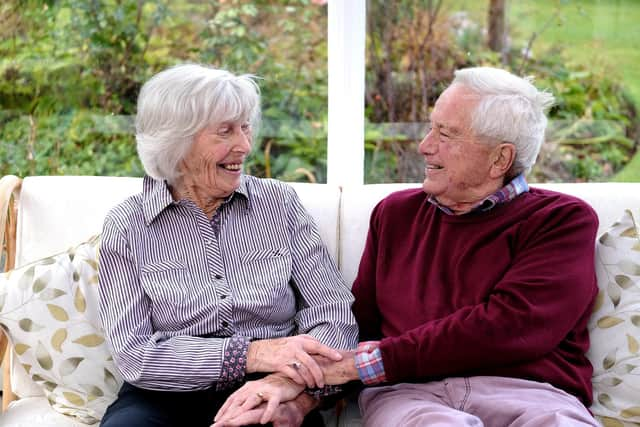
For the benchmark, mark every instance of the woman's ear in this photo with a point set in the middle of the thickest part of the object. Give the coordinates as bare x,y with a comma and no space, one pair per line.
503,157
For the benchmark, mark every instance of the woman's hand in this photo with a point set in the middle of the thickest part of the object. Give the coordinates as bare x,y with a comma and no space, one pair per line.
287,414
272,390
291,356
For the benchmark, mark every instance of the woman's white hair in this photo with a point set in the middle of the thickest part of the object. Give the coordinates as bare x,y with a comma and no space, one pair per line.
177,103
510,109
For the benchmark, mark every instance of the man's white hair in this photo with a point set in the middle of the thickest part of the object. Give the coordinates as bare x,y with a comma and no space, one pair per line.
510,109
177,103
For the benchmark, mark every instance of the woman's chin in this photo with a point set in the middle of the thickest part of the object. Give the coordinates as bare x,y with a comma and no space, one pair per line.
232,186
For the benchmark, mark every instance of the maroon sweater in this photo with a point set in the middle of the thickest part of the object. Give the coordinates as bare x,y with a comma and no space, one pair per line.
506,292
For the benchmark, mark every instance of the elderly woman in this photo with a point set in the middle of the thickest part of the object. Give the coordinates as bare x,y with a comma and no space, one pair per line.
208,274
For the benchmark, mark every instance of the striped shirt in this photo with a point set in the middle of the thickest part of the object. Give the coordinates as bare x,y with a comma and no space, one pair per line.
182,295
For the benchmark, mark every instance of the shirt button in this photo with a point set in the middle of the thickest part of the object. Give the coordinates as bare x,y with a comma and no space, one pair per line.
223,296
218,277
225,324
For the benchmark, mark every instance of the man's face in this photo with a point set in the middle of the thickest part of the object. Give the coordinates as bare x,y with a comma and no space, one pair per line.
457,162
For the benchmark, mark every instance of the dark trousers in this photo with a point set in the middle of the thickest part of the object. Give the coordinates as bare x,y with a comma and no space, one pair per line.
136,407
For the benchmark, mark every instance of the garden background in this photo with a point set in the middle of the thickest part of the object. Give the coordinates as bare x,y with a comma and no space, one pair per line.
71,71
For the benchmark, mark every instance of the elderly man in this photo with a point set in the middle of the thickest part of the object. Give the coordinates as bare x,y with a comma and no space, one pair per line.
476,290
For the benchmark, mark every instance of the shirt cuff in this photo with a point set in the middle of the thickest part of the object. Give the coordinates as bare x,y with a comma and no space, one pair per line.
369,363
328,390
234,362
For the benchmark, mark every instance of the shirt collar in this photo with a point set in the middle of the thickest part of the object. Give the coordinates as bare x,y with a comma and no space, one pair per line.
513,189
156,197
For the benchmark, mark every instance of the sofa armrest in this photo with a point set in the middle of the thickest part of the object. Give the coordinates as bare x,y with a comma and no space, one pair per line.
9,195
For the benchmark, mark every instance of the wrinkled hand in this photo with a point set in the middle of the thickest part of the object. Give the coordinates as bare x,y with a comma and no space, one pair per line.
291,356
287,414
339,372
270,390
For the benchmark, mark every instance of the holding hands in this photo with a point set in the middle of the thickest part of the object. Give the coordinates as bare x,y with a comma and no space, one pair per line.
260,402
341,371
297,362
293,357
288,414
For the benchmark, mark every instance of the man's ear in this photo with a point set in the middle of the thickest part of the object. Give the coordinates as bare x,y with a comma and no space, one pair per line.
503,157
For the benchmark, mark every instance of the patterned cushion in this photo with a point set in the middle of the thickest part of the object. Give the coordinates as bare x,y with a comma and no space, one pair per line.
49,309
615,325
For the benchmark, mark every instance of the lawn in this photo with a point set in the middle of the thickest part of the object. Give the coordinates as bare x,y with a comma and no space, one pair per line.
602,33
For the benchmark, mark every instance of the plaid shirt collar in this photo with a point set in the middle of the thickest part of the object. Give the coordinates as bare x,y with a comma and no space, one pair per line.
513,189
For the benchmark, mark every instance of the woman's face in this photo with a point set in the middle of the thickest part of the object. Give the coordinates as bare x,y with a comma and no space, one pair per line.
216,157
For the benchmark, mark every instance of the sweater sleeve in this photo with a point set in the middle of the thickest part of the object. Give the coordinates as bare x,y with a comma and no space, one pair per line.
365,307
548,290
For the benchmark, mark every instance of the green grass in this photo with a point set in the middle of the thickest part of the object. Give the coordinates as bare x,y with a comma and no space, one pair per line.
631,172
603,34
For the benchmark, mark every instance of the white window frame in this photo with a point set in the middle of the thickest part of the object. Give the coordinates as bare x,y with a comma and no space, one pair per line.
346,51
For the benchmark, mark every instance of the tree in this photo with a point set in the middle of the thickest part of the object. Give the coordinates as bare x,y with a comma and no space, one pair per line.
496,25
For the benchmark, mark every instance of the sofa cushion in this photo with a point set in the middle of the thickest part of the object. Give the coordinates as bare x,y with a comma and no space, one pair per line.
355,211
615,325
49,310
35,411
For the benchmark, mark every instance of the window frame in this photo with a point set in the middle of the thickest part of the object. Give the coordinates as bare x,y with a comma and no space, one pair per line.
346,76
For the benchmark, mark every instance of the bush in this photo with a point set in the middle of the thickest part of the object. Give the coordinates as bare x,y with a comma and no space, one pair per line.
72,70
413,50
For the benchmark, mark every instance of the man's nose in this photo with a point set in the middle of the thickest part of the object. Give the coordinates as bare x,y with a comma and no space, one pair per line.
427,145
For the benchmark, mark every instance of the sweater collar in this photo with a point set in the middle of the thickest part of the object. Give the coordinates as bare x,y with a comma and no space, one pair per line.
513,189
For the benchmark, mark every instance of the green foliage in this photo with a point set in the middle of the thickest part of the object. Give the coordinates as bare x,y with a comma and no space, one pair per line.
593,126
593,130
286,44
75,143
411,56
72,70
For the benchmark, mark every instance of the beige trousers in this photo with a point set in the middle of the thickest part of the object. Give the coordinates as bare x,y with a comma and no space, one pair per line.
473,401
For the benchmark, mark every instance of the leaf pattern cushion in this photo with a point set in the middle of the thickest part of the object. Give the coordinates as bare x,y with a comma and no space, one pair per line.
615,326
49,309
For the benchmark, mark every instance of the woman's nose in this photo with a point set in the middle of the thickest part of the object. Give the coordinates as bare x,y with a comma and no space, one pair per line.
243,142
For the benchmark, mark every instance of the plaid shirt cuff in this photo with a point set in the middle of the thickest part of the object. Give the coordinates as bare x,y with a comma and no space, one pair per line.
369,363
234,363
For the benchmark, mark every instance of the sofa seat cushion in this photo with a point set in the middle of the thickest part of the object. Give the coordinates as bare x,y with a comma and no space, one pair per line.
35,411
49,309
614,327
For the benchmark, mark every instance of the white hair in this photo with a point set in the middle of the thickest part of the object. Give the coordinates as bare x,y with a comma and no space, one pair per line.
510,109
177,103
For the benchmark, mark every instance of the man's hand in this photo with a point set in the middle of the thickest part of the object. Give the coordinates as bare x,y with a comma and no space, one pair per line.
287,414
291,356
339,372
272,390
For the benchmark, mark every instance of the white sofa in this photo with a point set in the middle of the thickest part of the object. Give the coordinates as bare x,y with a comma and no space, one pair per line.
55,213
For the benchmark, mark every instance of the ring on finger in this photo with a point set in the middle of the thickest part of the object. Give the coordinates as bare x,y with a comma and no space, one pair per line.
295,365
260,395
